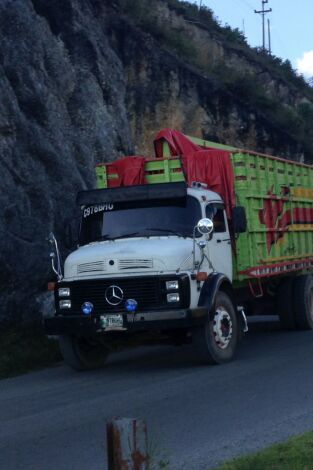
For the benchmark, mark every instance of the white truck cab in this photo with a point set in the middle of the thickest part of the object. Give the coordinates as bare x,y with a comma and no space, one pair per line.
149,258
147,240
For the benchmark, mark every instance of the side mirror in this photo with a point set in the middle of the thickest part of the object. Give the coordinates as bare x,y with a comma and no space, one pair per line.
239,219
205,226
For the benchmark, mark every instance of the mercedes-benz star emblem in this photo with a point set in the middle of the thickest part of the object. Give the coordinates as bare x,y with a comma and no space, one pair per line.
114,295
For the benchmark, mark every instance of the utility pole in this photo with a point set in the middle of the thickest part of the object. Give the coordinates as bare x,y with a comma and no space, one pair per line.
269,36
263,13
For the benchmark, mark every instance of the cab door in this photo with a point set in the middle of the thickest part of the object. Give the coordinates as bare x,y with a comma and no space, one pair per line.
219,247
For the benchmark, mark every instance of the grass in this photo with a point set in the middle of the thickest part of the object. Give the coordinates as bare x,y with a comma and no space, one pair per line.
26,348
294,454
157,458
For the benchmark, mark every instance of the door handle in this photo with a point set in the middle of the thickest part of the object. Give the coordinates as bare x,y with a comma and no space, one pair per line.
224,240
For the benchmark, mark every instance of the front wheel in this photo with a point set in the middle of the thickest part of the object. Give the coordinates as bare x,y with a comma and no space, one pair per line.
215,342
82,353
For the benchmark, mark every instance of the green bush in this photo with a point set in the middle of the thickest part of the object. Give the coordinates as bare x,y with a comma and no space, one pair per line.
305,112
181,44
136,8
26,348
233,35
144,14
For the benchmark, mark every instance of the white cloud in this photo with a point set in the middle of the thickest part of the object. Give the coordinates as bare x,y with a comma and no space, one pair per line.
305,64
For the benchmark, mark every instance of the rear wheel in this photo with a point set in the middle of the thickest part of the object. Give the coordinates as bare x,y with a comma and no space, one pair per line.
215,342
82,353
303,302
285,304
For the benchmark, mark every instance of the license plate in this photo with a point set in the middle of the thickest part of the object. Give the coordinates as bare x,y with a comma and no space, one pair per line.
112,322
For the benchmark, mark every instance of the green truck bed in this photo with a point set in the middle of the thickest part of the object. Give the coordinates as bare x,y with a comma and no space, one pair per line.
278,198
167,170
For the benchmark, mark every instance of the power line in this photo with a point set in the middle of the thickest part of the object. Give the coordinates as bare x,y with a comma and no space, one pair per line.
242,4
263,13
247,4
249,7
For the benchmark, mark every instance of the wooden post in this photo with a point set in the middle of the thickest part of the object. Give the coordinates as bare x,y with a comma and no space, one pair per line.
127,444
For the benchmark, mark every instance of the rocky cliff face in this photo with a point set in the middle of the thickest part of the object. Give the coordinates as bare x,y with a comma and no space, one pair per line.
82,82
63,107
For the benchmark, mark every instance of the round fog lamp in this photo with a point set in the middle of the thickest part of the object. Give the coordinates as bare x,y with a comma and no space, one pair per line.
87,308
131,305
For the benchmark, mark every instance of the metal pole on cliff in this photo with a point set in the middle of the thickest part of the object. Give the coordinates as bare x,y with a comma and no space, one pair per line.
269,36
263,12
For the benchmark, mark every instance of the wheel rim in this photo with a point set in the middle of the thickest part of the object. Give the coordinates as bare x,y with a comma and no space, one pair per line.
222,328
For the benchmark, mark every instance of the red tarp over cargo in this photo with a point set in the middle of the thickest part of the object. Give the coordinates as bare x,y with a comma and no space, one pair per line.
178,143
212,167
130,171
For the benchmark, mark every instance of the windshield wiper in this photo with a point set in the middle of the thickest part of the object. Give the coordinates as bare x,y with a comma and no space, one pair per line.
106,236
132,234
168,230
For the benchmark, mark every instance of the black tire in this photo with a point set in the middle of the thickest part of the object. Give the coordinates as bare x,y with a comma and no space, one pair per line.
285,304
215,342
82,353
303,302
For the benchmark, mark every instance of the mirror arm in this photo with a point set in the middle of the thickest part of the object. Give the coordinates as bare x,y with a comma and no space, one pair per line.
55,255
194,249
52,257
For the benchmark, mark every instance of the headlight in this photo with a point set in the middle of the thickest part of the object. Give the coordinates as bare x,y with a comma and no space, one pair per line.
64,292
65,304
172,285
173,297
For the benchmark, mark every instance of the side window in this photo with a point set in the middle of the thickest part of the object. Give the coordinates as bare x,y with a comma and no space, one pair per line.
215,212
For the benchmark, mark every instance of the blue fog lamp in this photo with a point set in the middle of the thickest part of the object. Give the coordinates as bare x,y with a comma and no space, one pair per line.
131,305
87,308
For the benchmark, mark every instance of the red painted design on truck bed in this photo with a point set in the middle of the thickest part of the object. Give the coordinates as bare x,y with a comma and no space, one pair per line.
278,222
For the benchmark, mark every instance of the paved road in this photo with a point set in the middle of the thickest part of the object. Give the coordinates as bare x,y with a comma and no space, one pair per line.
197,416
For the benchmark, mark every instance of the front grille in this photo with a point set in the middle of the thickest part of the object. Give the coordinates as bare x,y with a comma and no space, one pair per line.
91,267
135,263
149,291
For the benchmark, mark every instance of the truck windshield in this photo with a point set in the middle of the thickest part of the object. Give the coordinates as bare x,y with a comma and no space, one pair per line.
113,221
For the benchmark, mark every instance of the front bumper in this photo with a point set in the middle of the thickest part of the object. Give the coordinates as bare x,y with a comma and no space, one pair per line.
154,320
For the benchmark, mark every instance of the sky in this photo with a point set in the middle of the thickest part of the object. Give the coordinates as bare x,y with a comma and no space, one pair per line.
291,26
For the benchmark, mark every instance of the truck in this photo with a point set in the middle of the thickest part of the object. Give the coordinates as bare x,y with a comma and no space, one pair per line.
183,247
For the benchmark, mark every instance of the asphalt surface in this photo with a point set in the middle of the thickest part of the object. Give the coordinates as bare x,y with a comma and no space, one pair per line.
197,416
